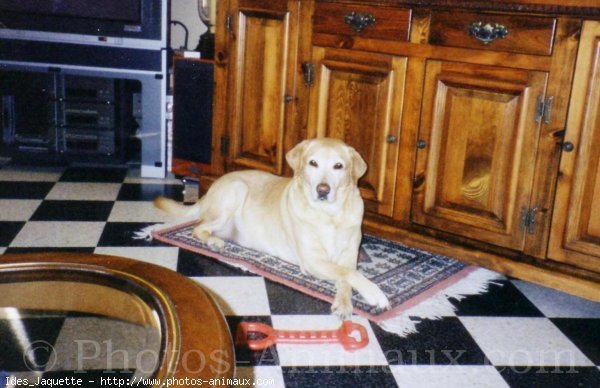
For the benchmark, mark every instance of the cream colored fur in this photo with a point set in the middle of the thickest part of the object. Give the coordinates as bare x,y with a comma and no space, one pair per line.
290,219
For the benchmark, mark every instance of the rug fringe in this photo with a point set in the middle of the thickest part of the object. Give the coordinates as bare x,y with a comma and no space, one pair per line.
439,305
146,233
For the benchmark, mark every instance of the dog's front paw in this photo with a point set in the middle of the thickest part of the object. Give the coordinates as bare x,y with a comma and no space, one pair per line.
383,303
342,303
376,297
342,307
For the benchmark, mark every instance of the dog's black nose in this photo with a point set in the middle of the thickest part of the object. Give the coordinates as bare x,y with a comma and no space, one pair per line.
323,190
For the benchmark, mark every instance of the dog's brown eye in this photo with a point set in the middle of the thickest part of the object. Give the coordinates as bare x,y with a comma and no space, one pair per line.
338,166
313,163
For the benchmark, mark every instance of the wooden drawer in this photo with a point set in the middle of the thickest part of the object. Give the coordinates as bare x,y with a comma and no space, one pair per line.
378,22
524,34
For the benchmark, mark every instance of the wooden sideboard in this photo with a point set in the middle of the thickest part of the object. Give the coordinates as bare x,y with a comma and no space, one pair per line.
480,121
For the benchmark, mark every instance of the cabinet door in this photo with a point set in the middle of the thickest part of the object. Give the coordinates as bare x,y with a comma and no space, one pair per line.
357,97
477,141
262,39
575,233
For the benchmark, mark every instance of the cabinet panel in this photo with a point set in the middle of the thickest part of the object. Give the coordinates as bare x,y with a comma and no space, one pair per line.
575,235
258,82
357,97
476,154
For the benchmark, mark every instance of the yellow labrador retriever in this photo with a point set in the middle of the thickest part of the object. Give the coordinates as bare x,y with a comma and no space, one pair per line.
312,219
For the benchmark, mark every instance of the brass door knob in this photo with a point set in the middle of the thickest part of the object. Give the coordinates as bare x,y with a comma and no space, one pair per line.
567,146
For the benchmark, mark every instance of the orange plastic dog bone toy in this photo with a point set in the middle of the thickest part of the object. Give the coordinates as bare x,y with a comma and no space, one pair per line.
343,335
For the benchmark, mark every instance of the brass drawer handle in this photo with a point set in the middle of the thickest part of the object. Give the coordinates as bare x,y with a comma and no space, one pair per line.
488,32
359,21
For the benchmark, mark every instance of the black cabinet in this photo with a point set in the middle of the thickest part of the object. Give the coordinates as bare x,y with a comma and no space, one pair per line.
50,115
28,113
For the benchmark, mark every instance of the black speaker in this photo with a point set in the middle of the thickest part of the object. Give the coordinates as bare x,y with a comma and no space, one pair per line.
192,109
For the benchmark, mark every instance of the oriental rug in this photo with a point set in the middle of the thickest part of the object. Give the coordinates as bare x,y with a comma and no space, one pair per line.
419,284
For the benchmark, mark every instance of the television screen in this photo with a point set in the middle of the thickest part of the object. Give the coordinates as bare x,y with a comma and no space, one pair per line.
121,10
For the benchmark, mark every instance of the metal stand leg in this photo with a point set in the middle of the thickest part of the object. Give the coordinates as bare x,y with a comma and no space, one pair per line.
190,189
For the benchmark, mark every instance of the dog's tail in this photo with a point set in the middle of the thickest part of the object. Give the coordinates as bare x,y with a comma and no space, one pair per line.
177,209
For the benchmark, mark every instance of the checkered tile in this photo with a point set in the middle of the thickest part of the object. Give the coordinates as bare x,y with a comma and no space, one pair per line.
516,335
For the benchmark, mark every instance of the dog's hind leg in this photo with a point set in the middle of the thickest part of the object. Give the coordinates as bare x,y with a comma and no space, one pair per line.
203,232
219,209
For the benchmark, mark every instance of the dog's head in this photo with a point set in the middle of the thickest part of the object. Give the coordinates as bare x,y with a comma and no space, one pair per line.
326,166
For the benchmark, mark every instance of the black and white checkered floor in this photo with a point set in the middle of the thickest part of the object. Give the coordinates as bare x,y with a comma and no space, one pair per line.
516,335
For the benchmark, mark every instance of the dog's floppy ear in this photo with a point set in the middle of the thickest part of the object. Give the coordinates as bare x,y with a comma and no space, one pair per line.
294,156
359,166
